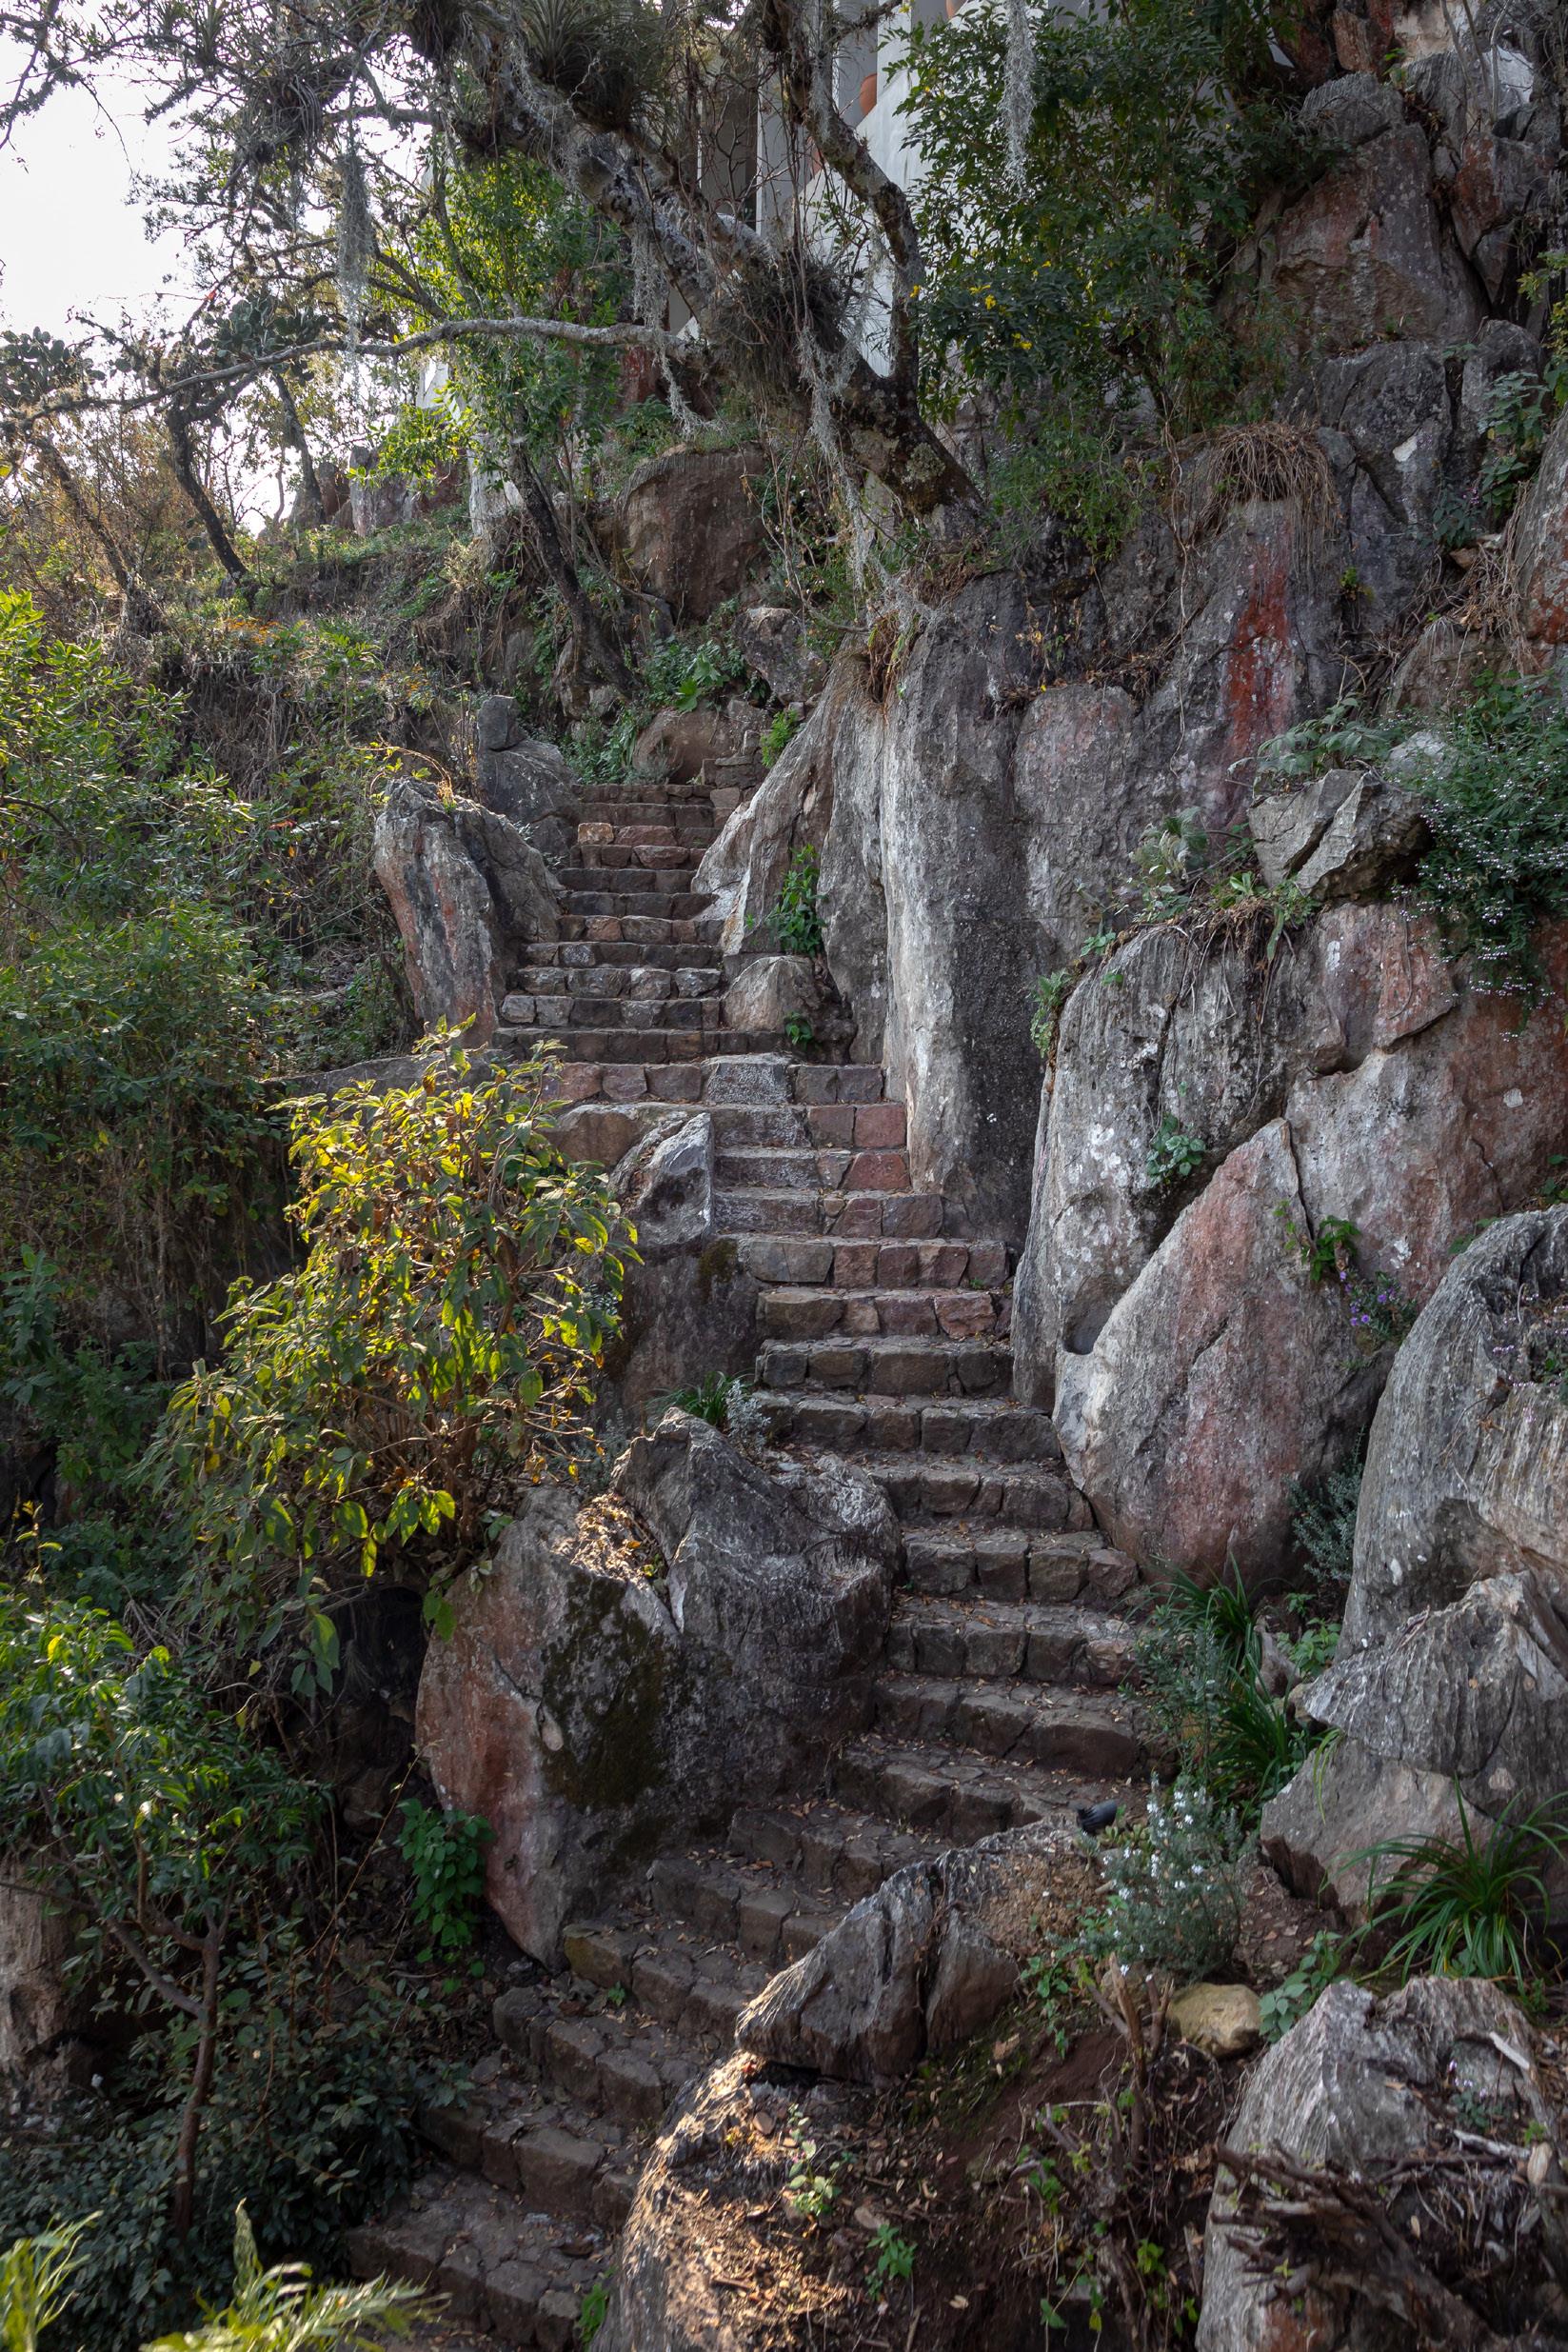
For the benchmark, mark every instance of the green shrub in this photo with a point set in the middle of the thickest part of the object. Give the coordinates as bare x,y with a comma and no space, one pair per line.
35,2284
1051,993
1172,1156
1197,1673
1467,1908
311,2123
797,924
283,2310
1177,1886
1081,290
1323,1521
781,729
86,1412
446,1857
1496,800
431,1356
1327,1957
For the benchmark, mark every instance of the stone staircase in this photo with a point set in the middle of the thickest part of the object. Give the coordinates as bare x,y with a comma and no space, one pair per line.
883,1339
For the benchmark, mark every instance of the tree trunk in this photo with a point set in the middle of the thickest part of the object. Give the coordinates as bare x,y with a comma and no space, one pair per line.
183,2210
191,482
141,610
592,636
312,505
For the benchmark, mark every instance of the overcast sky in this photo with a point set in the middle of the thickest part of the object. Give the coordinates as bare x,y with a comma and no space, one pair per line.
70,235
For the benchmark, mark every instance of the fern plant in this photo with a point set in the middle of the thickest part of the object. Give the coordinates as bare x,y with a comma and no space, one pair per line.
283,2310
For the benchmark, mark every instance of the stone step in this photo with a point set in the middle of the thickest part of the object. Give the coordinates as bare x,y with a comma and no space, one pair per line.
1050,1641
898,1368
800,1311
599,954
686,1978
847,1216
955,1797
989,1428
656,870
518,2276
1004,1564
564,2163
684,820
662,1012
647,787
643,931
641,1045
763,1913
923,1488
828,1849
553,985
797,1259
839,1170
651,903
618,856
753,1080
621,2065
1060,1730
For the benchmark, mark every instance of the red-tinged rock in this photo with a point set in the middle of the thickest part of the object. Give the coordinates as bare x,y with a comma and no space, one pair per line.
1223,1374
690,526
1360,255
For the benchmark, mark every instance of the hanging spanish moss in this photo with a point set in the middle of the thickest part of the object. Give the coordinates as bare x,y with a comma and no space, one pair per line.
356,243
1018,87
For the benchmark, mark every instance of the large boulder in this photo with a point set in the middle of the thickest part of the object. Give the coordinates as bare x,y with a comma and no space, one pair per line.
462,880
1364,2085
525,779
617,1676
1363,254
1540,551
1219,1376
1452,1675
690,526
1465,1701
1467,1468
1405,1104
919,1965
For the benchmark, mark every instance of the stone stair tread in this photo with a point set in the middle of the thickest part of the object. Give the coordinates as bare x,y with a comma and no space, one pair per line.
835,1849
989,1639
621,2062
562,2159
517,2274
1092,1731
968,1490
957,1796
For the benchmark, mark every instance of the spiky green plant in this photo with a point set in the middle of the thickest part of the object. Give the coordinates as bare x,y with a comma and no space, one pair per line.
283,2310
1467,1906
36,2283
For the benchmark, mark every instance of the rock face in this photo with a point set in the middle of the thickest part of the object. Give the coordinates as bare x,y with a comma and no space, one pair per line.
917,1967
460,878
773,639
1541,551
770,990
525,779
594,1697
1189,1418
1453,1666
1363,254
690,528
1355,2085
1195,1372
1474,1694
1349,834
1467,1469
665,1185
37,2015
